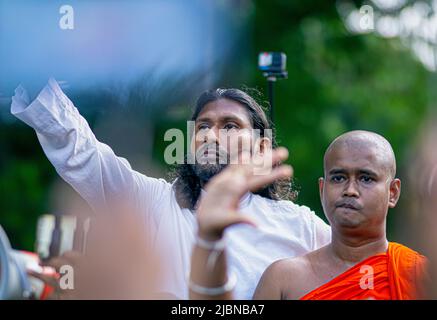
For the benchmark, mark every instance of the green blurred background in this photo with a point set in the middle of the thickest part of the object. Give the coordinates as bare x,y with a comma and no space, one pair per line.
339,80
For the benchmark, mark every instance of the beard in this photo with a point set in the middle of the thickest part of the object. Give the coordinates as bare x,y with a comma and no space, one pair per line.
206,171
208,168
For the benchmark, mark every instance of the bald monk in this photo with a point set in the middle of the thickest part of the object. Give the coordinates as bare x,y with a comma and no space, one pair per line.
358,188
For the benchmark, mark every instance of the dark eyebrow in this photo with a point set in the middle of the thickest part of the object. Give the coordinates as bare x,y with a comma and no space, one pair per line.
336,171
361,171
368,171
224,119
231,118
203,119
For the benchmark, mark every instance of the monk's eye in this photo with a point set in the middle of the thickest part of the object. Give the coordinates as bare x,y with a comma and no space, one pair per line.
366,179
337,179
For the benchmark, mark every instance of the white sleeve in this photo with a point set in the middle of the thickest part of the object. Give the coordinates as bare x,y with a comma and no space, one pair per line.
89,166
321,232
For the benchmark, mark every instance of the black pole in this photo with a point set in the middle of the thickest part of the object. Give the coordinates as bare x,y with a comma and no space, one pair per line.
271,80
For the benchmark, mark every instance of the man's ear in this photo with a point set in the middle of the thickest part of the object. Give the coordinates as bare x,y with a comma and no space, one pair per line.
395,192
264,144
321,183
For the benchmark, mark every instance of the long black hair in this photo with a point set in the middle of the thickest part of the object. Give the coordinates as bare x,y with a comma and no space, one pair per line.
187,185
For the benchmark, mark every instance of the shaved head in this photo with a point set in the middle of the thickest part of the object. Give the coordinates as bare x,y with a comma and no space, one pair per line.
359,184
365,140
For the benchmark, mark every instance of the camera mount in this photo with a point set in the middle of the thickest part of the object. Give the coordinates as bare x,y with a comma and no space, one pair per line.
273,66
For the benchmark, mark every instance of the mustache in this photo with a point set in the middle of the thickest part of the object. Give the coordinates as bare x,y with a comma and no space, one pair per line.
348,203
212,147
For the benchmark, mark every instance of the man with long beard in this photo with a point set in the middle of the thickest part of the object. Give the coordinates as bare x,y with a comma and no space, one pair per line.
99,176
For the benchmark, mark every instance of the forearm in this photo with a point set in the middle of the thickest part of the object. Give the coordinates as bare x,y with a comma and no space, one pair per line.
89,166
210,272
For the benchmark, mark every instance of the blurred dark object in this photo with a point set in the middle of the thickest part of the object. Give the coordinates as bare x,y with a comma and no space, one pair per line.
423,206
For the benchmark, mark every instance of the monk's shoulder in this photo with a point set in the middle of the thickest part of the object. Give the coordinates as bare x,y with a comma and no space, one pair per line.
289,267
400,250
291,275
412,261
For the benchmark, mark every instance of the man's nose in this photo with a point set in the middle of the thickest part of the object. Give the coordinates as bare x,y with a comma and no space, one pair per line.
211,135
351,189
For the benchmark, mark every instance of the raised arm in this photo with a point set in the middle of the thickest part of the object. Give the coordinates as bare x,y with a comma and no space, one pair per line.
89,166
218,210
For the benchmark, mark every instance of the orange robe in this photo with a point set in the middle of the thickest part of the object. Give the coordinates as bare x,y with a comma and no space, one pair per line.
398,274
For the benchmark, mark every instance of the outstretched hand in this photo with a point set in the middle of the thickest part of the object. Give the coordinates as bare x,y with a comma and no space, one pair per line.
218,209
